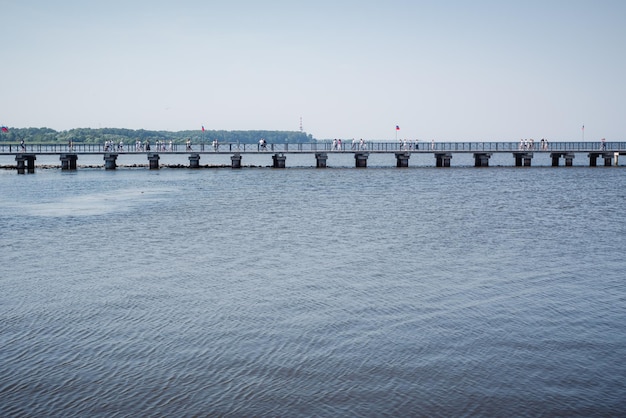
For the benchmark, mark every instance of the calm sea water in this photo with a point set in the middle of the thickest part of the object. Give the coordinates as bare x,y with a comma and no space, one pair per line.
304,292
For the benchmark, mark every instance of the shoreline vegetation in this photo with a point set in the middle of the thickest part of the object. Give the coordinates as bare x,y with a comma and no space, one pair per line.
99,136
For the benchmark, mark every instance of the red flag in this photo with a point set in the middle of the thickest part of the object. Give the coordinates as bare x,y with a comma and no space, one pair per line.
397,128
5,129
202,128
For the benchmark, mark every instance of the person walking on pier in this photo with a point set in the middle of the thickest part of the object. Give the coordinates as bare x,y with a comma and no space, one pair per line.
188,144
22,145
353,143
603,144
521,144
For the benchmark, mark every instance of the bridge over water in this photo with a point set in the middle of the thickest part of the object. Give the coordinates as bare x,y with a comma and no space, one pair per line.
522,152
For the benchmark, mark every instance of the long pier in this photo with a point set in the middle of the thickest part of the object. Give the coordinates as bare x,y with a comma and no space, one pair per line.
523,152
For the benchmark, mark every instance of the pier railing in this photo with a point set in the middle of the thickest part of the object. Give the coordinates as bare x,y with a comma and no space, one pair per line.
325,146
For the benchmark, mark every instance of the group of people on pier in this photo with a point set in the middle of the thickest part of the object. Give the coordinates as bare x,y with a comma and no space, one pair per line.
361,145
337,146
529,144
356,145
113,146
406,145
159,145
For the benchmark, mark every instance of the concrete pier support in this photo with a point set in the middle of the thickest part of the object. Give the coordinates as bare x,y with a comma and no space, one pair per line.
360,159
402,159
523,158
616,159
278,160
481,159
607,156
68,161
110,160
235,161
320,159
569,158
194,161
442,159
153,159
25,163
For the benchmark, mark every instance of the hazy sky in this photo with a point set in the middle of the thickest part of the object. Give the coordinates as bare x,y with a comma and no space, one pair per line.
443,70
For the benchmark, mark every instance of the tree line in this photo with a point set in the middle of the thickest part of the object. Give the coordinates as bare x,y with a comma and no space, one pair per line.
96,136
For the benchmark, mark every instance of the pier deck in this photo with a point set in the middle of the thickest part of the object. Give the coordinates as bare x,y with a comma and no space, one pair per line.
443,152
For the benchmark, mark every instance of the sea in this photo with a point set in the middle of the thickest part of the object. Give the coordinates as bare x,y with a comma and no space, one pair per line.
304,292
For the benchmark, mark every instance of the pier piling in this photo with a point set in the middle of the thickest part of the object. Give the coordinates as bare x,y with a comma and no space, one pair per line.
235,161
68,161
25,163
153,159
402,159
481,159
360,159
278,160
522,159
320,159
194,161
110,161
442,159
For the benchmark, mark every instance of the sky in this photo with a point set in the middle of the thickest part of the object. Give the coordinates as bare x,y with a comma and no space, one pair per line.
445,70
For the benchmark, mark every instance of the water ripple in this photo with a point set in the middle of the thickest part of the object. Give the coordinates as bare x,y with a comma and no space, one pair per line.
313,293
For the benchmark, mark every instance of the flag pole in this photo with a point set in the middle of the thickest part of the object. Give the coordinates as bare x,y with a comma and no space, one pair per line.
583,129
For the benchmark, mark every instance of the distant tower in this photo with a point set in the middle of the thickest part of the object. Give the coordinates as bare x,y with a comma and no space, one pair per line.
300,123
